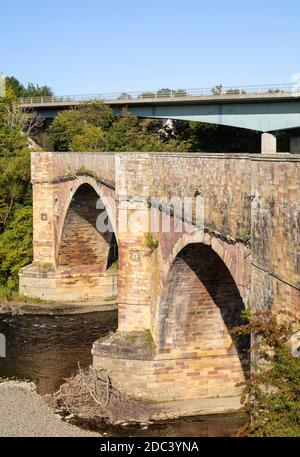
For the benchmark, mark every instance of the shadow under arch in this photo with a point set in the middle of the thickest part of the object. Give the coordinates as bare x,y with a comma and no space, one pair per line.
199,306
82,245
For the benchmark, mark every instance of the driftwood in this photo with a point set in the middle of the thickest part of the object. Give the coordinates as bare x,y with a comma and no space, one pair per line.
90,394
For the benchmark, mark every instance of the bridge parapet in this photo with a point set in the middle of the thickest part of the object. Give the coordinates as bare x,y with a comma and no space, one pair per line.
58,166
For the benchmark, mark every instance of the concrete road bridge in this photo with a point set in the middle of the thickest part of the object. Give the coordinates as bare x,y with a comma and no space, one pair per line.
266,109
181,287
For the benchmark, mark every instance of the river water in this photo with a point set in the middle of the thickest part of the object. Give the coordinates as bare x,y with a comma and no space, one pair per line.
47,349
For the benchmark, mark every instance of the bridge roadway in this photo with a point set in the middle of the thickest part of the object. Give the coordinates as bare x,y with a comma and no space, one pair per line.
266,109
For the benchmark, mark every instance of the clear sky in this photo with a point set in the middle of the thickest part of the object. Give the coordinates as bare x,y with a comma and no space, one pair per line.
92,46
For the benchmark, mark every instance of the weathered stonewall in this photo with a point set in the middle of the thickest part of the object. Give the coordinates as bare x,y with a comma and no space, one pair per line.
180,296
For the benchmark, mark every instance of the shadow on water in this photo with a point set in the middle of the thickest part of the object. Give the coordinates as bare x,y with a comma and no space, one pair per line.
47,349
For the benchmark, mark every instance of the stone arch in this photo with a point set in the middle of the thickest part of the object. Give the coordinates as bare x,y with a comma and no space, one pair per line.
64,197
82,246
198,307
236,257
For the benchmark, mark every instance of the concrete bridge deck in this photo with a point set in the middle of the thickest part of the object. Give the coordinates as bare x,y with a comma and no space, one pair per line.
260,108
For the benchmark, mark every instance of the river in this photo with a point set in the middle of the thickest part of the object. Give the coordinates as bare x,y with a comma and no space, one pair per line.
47,349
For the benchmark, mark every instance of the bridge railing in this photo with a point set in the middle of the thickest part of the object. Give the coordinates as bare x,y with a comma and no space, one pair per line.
267,90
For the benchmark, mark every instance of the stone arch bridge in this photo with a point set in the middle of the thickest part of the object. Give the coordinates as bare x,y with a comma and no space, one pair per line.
179,291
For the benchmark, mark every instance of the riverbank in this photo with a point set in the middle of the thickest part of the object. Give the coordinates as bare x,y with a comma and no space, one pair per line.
23,412
55,308
47,350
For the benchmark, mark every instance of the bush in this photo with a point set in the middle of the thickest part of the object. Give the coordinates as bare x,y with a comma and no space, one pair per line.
91,139
271,395
16,247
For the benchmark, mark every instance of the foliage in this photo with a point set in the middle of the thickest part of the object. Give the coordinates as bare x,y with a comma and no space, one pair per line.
64,128
151,242
217,138
92,127
16,246
91,139
128,133
115,264
97,114
271,395
14,184
148,337
17,90
16,120
15,197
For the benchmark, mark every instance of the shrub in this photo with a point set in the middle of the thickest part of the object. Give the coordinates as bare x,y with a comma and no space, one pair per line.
271,395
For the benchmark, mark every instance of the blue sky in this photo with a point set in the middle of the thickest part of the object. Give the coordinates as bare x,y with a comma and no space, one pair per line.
101,46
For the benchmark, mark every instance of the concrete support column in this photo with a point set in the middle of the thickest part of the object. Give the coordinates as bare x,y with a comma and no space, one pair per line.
268,143
295,145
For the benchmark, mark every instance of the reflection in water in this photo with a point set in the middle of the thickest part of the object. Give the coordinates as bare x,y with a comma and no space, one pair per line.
219,425
47,349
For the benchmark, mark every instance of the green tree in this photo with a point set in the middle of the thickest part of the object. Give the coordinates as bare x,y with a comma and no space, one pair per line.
206,137
74,122
34,90
97,114
14,184
93,127
66,125
16,246
14,88
128,133
15,196
91,139
17,90
271,395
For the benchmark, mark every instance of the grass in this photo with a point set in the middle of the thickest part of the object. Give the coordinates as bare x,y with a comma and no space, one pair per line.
151,242
148,337
12,295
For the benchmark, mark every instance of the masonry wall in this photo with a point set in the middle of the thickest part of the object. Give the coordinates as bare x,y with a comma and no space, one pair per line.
70,255
199,307
251,222
251,199
275,249
247,255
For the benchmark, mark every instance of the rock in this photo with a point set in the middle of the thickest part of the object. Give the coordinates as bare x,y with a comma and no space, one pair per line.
119,422
5,309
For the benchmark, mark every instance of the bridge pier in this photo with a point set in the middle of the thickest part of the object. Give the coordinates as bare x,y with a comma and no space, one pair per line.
295,145
268,143
134,266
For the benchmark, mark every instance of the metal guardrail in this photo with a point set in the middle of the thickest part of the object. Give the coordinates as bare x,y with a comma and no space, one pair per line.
267,90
